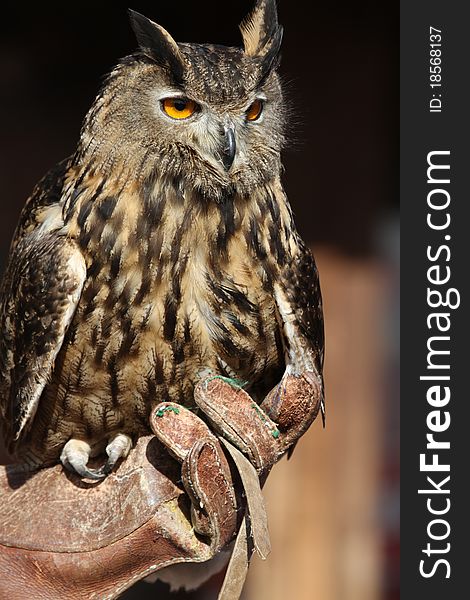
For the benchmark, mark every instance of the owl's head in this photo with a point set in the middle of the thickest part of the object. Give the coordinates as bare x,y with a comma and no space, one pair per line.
207,115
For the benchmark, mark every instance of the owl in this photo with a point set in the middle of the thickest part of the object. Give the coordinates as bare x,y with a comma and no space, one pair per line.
162,250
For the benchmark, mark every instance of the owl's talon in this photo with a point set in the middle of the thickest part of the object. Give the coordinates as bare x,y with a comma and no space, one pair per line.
76,453
74,457
119,447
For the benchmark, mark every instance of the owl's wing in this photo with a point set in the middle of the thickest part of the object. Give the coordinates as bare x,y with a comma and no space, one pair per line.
299,301
38,297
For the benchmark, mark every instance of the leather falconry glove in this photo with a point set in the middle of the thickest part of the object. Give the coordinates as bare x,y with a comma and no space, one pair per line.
62,537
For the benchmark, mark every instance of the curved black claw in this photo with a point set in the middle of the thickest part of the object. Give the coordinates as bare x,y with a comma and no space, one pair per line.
85,471
108,466
119,447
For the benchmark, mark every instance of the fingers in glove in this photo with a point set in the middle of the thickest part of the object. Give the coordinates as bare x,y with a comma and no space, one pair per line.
294,405
263,433
235,415
211,492
178,428
205,473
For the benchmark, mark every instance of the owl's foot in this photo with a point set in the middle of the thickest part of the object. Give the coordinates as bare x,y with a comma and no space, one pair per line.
119,447
74,457
76,453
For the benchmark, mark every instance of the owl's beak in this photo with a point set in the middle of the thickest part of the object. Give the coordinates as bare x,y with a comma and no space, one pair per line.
229,149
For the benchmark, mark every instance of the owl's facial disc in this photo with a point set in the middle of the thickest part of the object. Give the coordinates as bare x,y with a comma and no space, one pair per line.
181,109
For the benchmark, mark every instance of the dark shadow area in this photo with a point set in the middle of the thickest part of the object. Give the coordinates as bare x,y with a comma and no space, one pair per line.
17,476
151,591
158,456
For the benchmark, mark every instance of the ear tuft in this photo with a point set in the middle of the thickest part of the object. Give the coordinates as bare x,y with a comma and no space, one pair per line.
260,28
158,43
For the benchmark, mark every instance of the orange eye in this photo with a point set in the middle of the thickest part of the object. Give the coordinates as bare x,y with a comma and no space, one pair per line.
254,111
179,108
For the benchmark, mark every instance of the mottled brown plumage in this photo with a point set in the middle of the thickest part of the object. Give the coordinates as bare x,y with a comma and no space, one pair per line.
148,259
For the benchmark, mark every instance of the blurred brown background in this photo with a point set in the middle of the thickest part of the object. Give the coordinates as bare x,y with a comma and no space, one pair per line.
333,507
